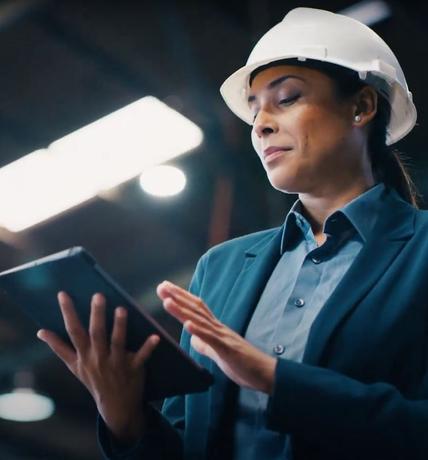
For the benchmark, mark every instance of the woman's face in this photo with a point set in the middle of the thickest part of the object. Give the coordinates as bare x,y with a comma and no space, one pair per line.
307,135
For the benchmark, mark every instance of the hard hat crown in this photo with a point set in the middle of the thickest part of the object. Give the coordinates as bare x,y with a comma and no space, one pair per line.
308,33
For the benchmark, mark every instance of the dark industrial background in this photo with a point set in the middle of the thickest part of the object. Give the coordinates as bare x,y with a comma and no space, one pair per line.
64,64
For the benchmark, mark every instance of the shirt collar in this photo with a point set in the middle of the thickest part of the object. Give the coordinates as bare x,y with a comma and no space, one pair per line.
360,213
363,210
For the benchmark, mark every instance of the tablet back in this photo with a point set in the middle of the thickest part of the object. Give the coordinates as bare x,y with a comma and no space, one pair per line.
34,287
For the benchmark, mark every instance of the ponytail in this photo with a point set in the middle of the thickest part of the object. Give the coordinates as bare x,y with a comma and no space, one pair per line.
388,163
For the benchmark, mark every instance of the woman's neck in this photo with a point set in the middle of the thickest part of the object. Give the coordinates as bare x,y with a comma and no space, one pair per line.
317,207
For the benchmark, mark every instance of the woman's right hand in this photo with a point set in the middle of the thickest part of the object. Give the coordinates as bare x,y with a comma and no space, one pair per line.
113,375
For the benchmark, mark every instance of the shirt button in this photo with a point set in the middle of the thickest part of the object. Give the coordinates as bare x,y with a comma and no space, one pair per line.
278,349
299,302
315,260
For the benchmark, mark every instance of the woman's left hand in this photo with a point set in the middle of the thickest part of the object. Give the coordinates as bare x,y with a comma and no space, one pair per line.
243,363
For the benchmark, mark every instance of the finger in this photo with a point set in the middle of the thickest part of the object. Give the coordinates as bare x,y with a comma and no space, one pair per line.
197,306
97,324
179,292
210,337
73,326
167,288
211,331
177,289
183,314
173,306
145,351
59,347
118,335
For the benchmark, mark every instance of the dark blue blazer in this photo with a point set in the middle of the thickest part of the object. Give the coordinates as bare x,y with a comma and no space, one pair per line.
361,391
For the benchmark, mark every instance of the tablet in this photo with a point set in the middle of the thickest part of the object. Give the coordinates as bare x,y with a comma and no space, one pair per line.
34,287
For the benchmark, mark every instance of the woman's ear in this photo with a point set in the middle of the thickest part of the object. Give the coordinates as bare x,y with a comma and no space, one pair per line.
365,106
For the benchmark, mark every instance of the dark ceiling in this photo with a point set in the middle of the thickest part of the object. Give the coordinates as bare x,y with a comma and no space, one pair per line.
65,64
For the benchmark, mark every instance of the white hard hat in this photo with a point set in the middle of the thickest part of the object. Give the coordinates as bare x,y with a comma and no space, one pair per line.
308,33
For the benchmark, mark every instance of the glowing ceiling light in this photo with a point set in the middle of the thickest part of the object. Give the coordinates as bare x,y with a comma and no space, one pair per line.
163,181
25,405
95,158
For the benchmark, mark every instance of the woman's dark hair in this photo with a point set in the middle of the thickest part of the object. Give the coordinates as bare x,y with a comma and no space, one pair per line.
388,163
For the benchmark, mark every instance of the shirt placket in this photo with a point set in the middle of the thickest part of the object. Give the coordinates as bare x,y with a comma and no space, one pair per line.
297,311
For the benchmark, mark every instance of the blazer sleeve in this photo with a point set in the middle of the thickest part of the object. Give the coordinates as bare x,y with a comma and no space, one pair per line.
160,442
325,408
164,438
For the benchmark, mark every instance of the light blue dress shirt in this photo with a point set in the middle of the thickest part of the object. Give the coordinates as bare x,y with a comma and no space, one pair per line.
296,291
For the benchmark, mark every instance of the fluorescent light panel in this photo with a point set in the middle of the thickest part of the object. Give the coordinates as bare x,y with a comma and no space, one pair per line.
368,12
95,158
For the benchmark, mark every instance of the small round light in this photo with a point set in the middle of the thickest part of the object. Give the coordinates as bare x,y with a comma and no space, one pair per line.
25,405
163,180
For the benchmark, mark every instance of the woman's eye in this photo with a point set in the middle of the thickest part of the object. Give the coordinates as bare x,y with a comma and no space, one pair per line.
289,100
285,101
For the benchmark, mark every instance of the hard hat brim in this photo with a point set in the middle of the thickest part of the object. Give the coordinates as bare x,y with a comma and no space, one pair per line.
235,90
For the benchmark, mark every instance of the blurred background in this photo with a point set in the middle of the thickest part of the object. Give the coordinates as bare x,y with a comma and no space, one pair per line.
66,64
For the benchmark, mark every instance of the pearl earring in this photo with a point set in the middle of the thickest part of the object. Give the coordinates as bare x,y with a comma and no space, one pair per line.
357,118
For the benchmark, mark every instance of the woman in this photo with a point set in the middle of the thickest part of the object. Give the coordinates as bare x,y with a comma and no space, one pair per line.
316,331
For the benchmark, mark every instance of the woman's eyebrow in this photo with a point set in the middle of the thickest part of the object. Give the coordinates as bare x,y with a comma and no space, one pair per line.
275,83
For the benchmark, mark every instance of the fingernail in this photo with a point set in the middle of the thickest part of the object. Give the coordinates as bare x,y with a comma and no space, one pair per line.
40,335
164,285
121,312
155,339
98,298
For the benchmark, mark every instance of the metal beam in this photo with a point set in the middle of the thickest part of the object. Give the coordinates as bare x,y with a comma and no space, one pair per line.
108,64
14,10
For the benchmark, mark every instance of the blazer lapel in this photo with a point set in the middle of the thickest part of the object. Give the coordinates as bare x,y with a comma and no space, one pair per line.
394,227
260,260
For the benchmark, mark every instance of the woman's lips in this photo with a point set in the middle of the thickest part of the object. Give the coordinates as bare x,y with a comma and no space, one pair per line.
273,152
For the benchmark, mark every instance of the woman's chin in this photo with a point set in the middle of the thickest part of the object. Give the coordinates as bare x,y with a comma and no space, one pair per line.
283,184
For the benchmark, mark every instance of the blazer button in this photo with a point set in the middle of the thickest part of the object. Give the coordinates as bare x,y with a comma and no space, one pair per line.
299,302
278,349
315,260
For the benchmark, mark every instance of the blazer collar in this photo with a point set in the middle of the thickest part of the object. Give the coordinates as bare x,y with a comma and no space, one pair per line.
394,227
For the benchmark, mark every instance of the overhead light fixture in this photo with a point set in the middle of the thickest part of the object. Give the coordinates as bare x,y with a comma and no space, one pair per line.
23,404
163,181
93,159
368,12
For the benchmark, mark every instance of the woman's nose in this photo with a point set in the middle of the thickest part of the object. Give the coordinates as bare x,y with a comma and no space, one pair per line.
264,124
